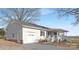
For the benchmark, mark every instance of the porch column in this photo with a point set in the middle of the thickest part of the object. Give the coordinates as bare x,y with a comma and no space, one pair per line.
45,34
66,33
57,36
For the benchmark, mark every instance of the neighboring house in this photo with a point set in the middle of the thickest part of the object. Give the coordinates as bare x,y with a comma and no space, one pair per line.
30,33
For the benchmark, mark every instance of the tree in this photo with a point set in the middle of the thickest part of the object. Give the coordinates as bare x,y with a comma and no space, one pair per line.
2,33
69,12
21,14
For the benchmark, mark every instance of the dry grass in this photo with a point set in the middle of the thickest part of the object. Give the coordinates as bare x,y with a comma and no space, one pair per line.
76,42
62,44
72,44
7,43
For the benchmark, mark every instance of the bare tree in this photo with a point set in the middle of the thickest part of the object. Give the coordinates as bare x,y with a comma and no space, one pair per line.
21,14
69,12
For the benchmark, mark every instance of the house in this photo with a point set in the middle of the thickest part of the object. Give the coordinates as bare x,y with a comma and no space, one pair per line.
29,33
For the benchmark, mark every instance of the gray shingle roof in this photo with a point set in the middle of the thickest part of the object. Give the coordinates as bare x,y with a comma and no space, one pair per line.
32,25
35,26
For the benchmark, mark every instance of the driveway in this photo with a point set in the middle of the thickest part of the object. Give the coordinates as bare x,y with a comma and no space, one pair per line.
36,46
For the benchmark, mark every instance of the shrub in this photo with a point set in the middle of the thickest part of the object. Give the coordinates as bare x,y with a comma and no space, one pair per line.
42,41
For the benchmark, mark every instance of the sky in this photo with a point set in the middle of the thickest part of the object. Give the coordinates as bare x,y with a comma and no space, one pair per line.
50,19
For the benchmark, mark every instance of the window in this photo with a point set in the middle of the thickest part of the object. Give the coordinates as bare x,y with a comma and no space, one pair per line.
55,33
42,33
49,33
13,35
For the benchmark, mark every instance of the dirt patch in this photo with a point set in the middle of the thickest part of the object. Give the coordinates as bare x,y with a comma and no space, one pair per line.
8,43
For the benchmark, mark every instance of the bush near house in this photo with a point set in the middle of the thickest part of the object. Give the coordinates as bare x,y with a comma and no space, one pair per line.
42,41
2,33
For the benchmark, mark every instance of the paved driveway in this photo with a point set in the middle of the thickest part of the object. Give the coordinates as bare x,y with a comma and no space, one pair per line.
44,47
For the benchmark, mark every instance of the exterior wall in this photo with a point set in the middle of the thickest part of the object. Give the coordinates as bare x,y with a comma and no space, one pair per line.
30,35
43,37
13,29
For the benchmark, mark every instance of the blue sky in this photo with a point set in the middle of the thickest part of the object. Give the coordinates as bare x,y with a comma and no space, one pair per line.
50,19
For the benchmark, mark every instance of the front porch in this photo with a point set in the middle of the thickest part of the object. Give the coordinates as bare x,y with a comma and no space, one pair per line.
54,35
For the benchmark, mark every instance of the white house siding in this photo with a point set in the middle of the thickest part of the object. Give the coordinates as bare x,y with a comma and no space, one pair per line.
14,29
30,35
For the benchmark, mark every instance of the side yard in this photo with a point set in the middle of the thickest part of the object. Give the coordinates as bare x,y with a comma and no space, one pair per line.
9,45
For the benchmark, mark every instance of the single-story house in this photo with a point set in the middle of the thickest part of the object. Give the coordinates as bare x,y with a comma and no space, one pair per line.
30,33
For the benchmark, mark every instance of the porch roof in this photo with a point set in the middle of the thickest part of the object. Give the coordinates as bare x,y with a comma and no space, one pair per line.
57,30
